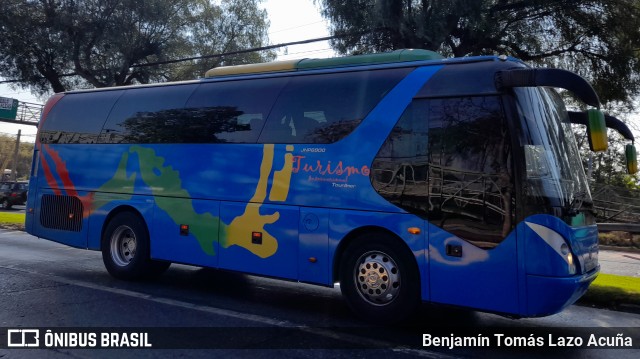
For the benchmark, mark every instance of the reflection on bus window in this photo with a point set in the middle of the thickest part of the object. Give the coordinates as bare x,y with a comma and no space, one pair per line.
449,160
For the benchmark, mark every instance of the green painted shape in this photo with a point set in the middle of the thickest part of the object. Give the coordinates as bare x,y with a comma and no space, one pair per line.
203,226
119,187
120,183
597,129
632,159
370,59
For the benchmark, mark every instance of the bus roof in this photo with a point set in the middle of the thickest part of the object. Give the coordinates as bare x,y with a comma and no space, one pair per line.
400,58
404,55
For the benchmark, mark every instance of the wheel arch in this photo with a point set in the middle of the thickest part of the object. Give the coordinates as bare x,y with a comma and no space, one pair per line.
357,235
120,209
139,264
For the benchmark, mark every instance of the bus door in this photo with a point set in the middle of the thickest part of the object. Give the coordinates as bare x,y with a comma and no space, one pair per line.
472,241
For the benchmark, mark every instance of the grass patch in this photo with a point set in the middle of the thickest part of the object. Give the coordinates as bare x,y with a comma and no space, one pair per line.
612,291
10,220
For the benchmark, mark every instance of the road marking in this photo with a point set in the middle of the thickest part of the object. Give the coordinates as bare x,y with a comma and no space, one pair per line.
349,338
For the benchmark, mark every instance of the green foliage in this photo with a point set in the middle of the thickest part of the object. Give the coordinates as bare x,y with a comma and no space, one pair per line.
619,239
607,167
599,39
67,44
25,153
234,25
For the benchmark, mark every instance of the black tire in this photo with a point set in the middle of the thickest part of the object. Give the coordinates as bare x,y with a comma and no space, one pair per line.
380,279
5,204
126,249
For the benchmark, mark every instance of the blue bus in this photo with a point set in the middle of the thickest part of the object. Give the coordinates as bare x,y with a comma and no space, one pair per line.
404,177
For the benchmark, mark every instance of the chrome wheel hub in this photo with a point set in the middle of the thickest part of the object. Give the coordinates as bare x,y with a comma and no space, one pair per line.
123,245
377,278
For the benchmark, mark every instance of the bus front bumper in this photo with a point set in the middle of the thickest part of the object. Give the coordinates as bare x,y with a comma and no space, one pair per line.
550,295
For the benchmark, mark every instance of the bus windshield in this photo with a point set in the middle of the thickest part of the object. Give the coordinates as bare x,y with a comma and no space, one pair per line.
554,177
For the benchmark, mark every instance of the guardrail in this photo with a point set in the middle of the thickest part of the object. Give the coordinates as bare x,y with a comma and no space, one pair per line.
616,204
622,227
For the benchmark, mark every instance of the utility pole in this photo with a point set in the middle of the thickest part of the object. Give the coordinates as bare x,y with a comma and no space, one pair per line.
14,168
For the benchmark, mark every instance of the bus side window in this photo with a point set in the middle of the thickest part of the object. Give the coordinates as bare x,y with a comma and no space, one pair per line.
324,108
231,111
399,171
211,112
78,117
449,161
471,191
146,115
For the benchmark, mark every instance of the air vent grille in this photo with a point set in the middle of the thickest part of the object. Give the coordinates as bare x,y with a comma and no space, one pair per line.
61,212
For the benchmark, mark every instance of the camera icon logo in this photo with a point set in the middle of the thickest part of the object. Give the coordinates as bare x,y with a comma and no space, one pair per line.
23,338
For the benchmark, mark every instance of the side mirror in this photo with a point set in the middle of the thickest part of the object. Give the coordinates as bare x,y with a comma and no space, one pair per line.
632,159
597,129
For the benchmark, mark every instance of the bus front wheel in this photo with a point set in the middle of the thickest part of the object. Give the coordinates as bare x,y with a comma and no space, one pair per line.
126,249
379,279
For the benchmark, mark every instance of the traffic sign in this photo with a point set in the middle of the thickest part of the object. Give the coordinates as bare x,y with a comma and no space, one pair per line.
8,108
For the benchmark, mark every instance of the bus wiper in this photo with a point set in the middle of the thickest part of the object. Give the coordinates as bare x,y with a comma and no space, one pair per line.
574,207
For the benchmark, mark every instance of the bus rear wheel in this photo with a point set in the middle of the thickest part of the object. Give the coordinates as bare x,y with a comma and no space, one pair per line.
380,280
126,249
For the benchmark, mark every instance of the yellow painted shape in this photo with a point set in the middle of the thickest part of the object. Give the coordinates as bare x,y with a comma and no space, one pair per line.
282,179
240,229
276,66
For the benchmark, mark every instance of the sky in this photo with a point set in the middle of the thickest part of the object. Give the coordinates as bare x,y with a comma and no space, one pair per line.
290,21
298,20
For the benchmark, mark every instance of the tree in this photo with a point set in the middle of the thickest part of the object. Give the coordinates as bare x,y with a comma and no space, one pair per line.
25,153
232,26
599,39
65,44
608,167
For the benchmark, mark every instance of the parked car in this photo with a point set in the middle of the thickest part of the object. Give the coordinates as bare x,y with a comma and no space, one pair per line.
13,193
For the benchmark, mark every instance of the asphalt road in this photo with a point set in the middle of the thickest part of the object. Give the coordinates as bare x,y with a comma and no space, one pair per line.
15,209
50,286
620,263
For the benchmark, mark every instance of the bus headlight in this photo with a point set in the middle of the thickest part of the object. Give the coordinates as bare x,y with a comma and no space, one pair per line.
559,245
572,266
564,248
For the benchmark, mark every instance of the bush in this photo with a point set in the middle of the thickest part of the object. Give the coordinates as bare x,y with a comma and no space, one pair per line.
619,239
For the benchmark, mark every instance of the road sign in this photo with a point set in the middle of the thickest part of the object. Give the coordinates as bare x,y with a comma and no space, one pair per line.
8,108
